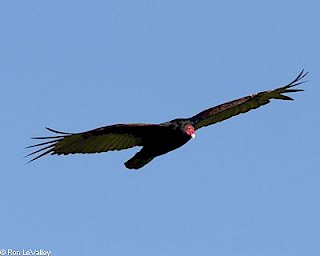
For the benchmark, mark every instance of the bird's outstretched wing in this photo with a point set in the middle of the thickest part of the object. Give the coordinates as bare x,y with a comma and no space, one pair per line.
108,138
242,105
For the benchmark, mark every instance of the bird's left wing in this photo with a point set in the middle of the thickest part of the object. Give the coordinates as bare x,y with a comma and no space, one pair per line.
242,105
108,138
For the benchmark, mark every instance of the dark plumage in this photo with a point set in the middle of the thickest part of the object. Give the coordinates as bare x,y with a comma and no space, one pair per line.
155,139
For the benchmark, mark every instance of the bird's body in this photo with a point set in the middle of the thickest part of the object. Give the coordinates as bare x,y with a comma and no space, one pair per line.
155,139
173,135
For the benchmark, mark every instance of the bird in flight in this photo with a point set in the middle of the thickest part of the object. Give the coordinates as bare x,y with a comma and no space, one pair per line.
155,139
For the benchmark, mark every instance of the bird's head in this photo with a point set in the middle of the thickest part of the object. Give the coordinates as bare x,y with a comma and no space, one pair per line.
189,130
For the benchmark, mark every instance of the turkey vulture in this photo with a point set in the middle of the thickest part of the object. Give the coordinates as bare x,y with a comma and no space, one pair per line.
155,139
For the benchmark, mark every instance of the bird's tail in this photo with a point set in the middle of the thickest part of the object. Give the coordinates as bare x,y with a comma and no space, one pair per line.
137,161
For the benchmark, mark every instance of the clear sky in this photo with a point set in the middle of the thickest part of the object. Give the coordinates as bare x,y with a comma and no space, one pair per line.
247,186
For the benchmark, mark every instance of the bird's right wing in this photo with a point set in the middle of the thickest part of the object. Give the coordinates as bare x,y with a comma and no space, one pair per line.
108,138
242,105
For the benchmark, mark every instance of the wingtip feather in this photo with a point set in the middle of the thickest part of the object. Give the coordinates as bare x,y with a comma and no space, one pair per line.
55,131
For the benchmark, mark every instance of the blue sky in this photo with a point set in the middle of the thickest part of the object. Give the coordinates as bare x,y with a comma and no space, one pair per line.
247,186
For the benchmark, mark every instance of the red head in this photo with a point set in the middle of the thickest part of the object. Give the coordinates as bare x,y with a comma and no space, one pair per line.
189,129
